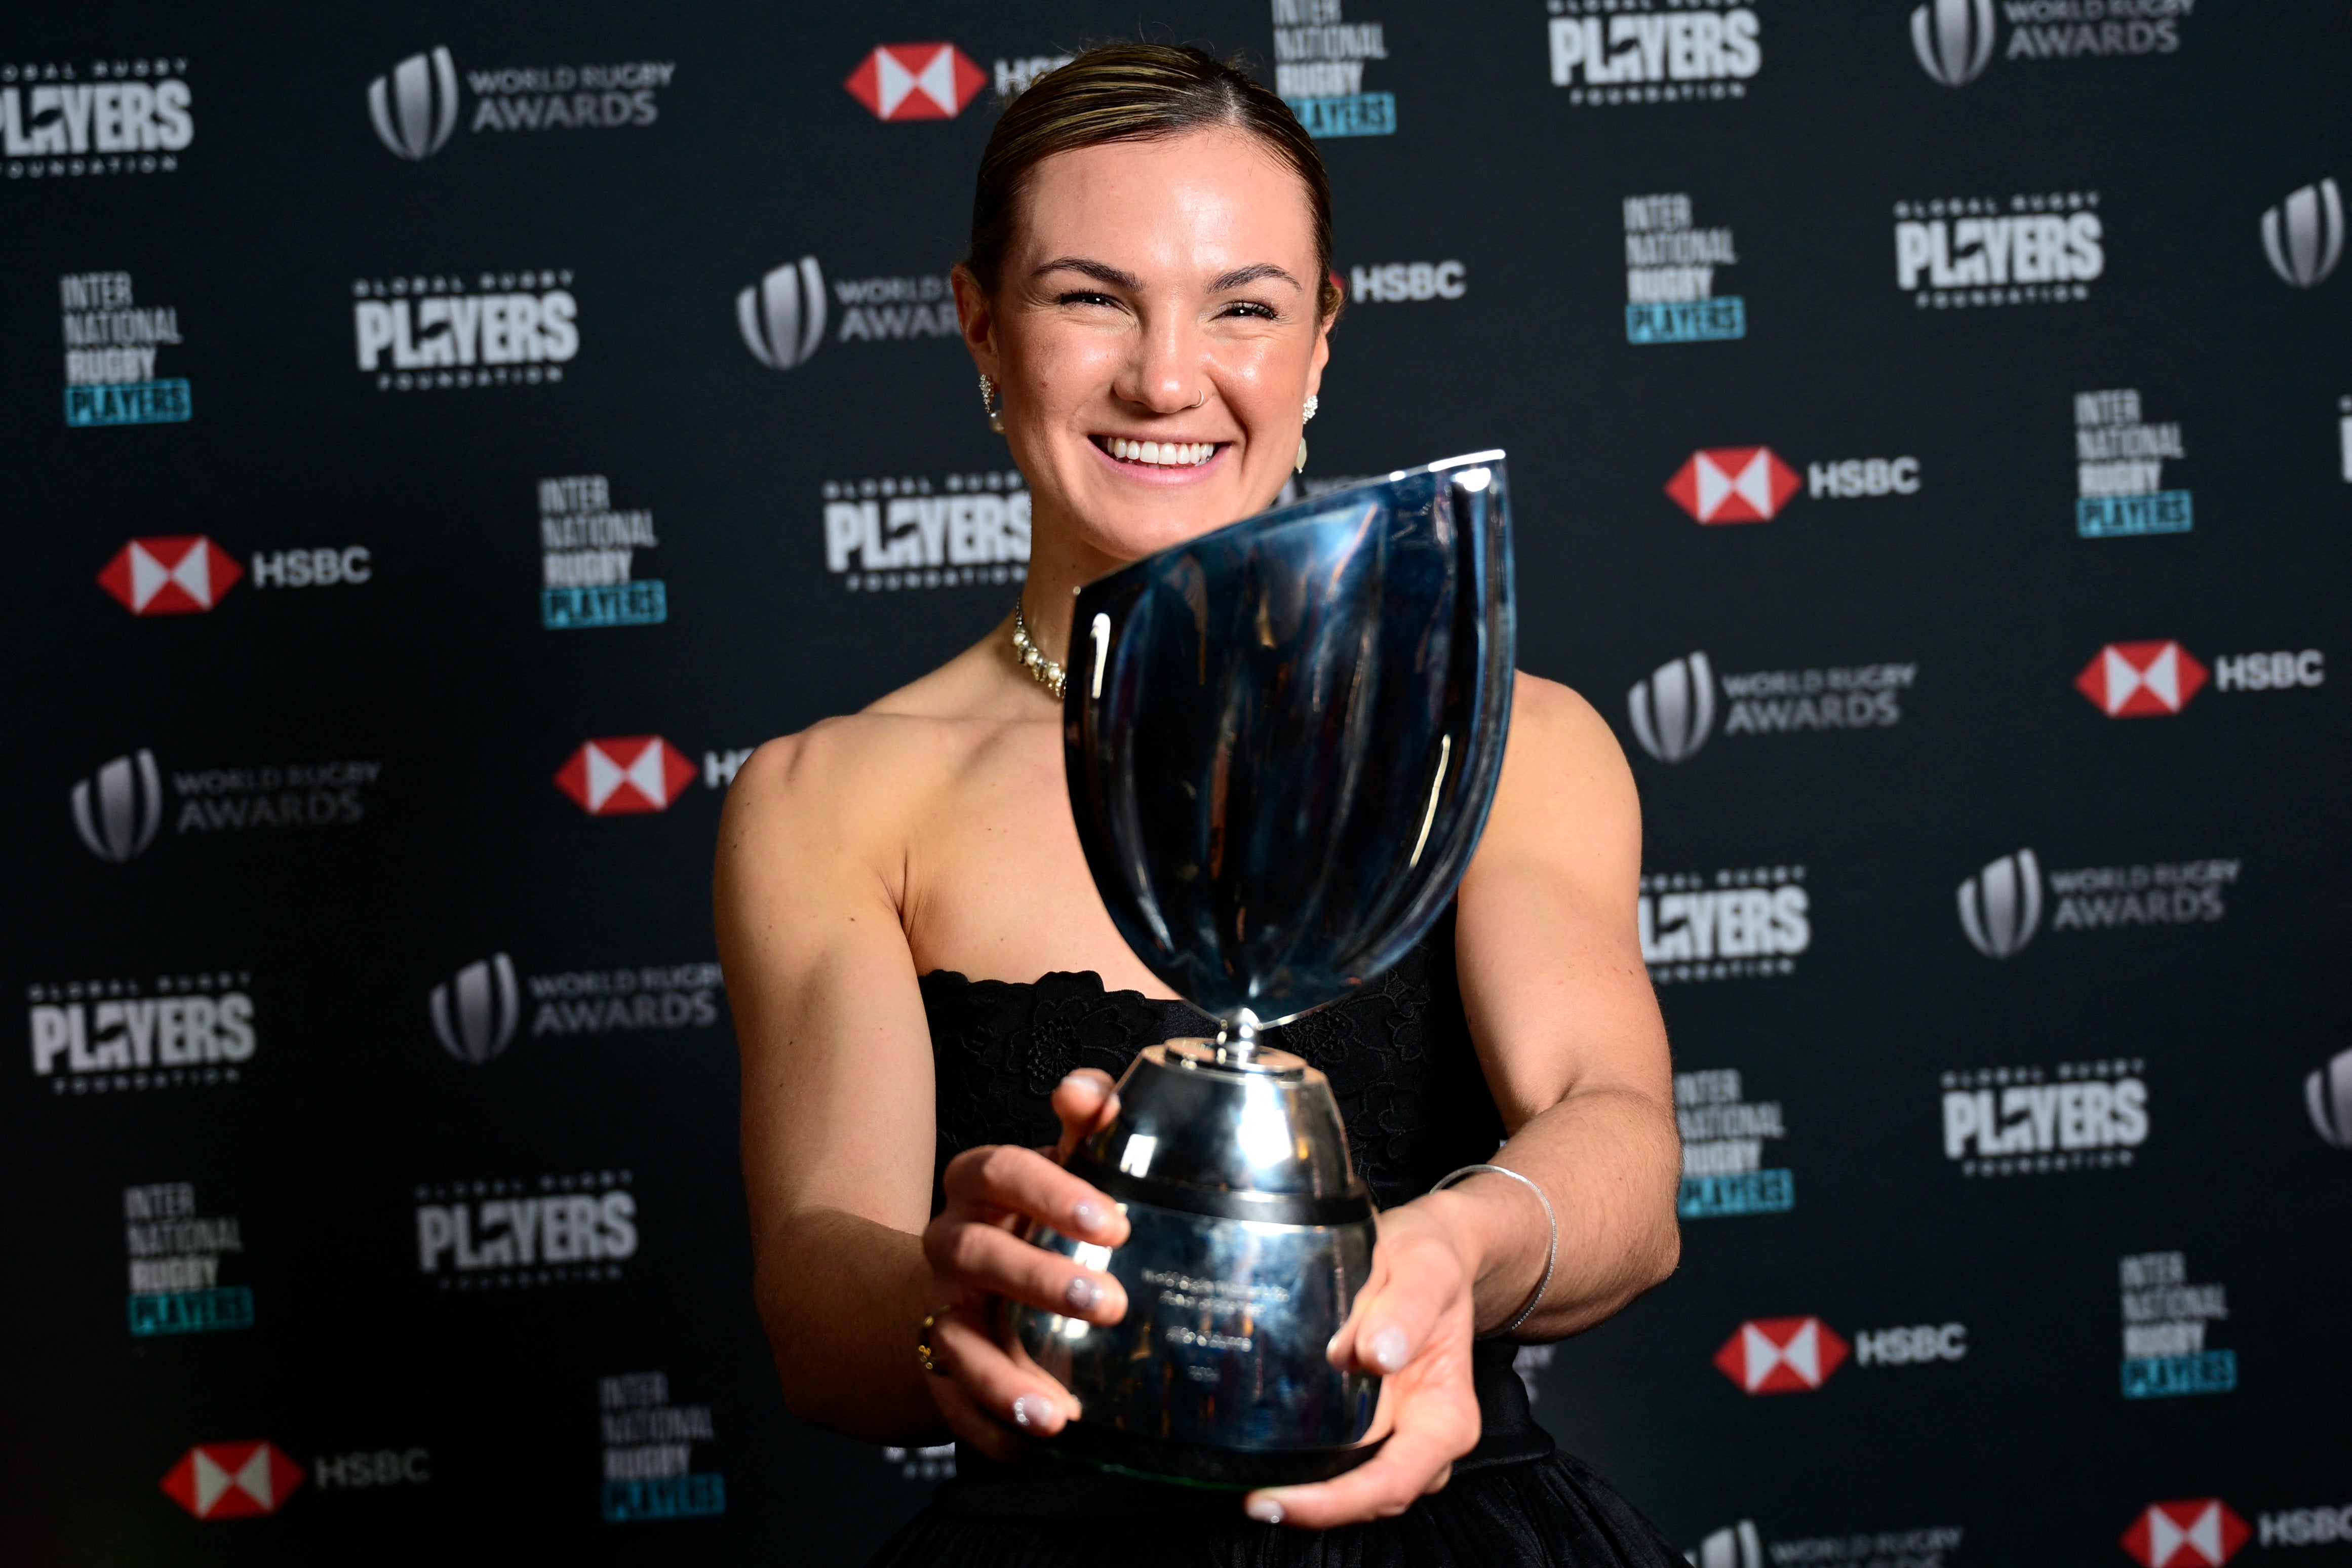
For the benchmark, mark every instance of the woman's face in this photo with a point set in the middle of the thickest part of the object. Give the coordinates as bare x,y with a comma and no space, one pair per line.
1155,336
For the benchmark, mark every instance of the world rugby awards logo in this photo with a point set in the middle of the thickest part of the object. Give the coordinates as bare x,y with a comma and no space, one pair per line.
2303,234
2000,906
414,106
1733,1546
474,1014
2327,1094
1953,39
116,810
783,317
1673,710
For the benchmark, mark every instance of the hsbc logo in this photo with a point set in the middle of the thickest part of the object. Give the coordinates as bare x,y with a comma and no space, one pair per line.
1797,1355
625,775
2303,234
2154,679
172,574
187,573
2139,679
2196,1533
475,1014
1752,484
1733,484
916,81
1782,1355
232,1481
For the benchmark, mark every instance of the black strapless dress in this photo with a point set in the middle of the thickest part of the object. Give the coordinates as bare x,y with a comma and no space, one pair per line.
1399,1060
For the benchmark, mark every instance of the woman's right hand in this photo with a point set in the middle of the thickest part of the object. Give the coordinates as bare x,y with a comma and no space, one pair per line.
990,1396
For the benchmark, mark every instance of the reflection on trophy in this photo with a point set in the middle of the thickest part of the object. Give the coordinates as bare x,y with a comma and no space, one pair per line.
1281,740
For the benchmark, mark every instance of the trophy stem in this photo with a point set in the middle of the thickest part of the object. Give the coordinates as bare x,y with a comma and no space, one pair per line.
1238,1043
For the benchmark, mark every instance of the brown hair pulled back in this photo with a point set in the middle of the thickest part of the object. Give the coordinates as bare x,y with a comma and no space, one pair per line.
1136,92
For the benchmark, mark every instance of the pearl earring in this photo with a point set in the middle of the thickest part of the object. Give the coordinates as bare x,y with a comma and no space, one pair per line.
990,405
1312,403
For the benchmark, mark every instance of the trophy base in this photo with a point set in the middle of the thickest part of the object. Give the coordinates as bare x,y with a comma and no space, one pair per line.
1200,1465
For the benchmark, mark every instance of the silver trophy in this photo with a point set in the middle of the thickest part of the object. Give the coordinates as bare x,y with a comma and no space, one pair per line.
1282,739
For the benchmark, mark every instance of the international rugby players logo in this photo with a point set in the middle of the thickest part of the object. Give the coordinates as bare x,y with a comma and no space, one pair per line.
783,317
2000,906
414,105
1673,710
1953,39
2303,234
475,1014
118,809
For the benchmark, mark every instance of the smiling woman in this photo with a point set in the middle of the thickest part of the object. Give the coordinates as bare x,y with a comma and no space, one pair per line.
932,999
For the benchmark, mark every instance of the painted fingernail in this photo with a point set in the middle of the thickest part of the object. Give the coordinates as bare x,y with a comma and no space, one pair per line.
1030,1410
1088,1215
1388,1349
1264,1509
1082,1294
1070,1078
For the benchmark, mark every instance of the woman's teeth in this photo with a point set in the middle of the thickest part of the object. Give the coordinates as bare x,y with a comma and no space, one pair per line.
1169,454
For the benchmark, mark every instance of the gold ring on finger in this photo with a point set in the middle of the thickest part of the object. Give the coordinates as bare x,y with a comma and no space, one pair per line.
925,1356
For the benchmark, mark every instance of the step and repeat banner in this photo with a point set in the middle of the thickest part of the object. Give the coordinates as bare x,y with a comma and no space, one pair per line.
440,444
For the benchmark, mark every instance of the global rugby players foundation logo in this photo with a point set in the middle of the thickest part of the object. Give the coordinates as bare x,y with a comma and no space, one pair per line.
916,81
2141,680
1674,709
413,106
233,1481
118,809
2303,234
1953,39
782,316
626,774
2195,1532
170,575
475,1014
1733,484
1782,1355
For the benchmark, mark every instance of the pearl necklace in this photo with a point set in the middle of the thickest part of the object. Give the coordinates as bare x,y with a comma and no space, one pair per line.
1044,670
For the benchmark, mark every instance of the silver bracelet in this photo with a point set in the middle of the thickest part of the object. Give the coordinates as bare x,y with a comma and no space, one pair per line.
1551,1249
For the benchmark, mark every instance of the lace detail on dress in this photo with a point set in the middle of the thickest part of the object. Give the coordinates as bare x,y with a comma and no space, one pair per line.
1397,1054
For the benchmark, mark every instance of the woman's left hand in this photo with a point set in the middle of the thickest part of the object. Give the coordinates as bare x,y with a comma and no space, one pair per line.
1412,1324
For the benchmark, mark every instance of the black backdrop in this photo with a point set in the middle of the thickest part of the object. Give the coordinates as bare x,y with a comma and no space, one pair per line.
474,1266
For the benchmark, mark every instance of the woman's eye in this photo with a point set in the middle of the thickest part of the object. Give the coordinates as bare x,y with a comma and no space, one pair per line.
1085,299
1250,308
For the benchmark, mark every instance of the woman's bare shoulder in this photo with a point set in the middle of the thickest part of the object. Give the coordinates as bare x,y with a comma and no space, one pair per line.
858,780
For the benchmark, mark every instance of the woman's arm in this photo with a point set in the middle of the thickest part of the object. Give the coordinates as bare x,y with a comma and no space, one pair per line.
1568,1032
839,1128
837,1110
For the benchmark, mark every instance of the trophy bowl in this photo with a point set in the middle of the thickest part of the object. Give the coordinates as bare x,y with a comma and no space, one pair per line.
1282,739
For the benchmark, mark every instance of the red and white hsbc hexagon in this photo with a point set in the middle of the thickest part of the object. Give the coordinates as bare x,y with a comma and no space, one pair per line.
2141,680
2195,1532
170,575
232,1481
1733,484
1782,1355
916,81
619,775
